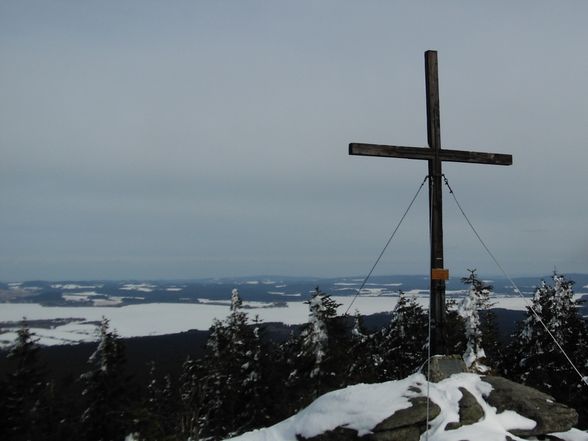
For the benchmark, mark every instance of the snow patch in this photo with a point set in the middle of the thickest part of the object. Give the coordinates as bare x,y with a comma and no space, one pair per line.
279,293
359,407
78,297
373,292
572,435
214,302
112,301
143,287
70,286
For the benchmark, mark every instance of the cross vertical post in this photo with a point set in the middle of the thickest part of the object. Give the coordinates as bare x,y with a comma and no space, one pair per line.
434,155
437,286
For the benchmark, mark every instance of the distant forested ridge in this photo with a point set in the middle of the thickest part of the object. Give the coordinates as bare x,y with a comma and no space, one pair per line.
253,288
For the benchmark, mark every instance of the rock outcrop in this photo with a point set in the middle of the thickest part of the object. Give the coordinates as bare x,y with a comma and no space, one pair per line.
403,425
549,415
502,398
444,366
470,411
458,405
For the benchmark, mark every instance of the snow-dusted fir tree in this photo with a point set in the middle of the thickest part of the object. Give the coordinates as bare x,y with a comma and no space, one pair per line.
315,335
232,375
255,387
105,416
475,299
236,302
402,344
25,400
534,358
315,360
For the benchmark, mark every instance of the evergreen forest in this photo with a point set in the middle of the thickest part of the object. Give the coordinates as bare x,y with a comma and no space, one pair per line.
245,380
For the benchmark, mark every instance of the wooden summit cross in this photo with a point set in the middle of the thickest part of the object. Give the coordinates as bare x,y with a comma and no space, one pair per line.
435,155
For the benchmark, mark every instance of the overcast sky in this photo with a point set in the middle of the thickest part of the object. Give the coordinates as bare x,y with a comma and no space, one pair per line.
184,139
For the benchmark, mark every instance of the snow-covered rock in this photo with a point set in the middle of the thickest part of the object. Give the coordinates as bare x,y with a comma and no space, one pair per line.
460,408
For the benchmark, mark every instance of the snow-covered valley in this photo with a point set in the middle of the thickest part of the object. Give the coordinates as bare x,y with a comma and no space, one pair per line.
67,312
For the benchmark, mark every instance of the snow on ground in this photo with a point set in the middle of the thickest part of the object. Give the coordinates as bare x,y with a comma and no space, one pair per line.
80,296
383,284
143,287
111,301
363,406
168,318
280,293
70,286
374,292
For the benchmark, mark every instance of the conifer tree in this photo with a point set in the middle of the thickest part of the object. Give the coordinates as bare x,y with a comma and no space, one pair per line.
288,398
191,399
364,358
157,415
534,358
469,309
232,384
105,417
403,342
255,388
319,349
26,405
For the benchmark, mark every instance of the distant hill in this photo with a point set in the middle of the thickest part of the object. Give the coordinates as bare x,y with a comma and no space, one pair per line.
255,288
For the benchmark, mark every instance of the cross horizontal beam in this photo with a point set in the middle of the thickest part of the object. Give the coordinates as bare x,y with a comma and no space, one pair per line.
392,151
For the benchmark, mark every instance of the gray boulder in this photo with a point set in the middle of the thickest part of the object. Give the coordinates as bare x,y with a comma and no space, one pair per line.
414,415
403,425
470,411
549,415
410,423
444,366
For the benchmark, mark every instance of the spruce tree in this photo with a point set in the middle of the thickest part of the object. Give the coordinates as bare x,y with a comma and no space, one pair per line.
233,383
255,412
105,417
320,349
26,403
402,343
476,299
191,399
534,358
365,361
157,416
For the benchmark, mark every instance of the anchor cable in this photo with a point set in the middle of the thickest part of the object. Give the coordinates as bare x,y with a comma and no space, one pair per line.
429,336
583,379
386,246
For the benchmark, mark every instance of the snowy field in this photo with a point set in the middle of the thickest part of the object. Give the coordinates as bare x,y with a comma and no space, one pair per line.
168,318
